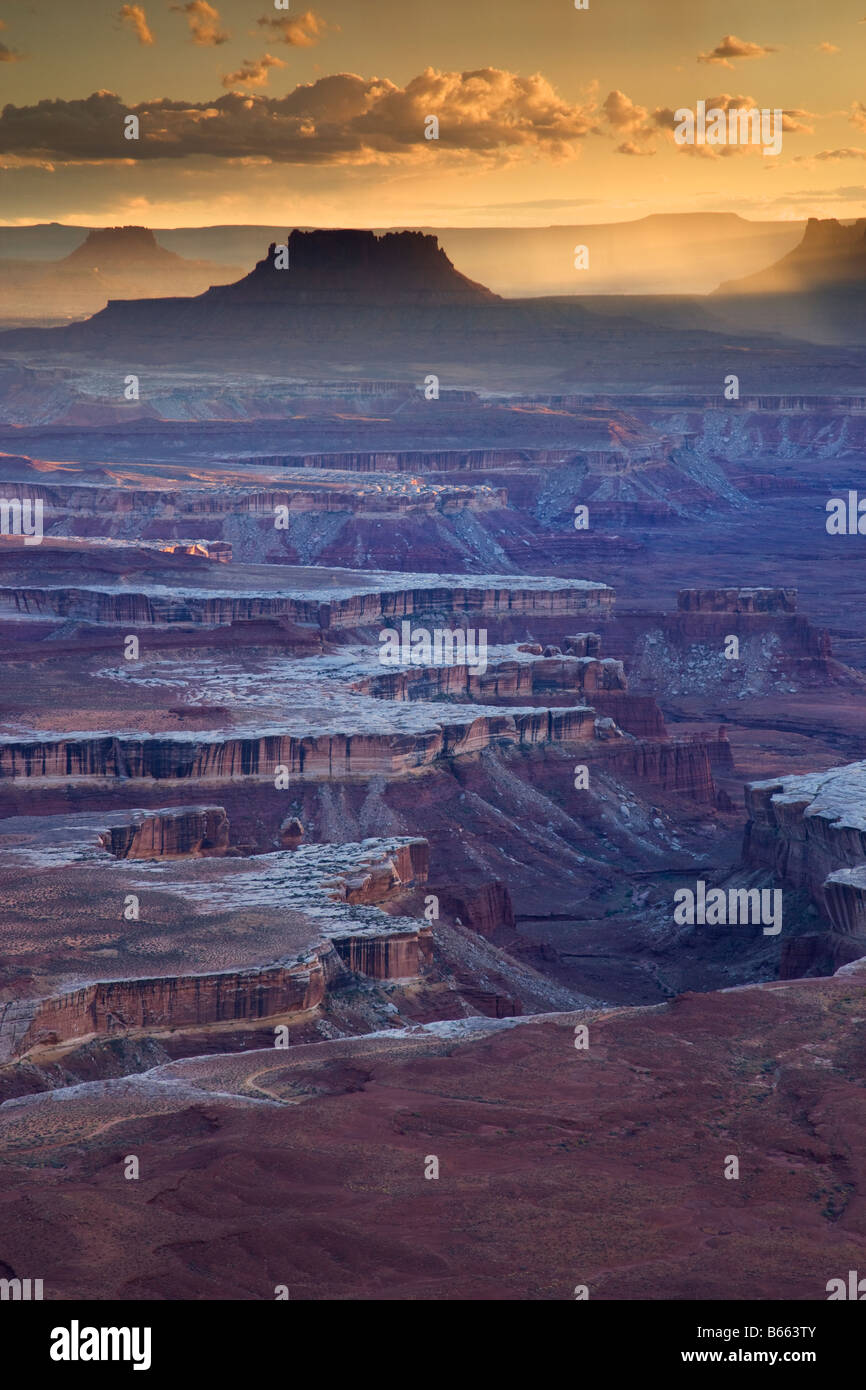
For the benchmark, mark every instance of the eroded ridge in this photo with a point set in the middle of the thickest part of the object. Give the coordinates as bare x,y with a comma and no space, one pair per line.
811,831
211,939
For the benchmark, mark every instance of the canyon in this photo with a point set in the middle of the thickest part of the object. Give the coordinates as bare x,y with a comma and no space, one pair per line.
264,894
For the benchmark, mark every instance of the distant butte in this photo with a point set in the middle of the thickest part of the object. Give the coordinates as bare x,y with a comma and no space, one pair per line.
116,248
829,256
329,267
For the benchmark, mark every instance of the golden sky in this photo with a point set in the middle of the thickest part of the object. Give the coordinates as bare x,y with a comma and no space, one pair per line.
250,113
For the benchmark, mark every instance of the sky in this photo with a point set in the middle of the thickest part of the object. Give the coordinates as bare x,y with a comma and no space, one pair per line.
316,115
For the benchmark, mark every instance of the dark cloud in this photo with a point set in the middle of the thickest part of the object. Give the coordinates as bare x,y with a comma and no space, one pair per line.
339,118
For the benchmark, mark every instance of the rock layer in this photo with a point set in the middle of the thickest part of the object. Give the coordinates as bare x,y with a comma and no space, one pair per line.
199,830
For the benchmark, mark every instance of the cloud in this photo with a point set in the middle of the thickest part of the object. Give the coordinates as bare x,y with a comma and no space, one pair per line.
342,118
253,72
831,156
622,112
629,147
794,122
302,32
828,48
643,128
732,47
204,21
725,101
8,55
627,119
858,114
135,17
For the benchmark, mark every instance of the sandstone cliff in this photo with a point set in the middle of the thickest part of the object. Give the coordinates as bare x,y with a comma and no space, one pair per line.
198,830
737,600
318,909
811,832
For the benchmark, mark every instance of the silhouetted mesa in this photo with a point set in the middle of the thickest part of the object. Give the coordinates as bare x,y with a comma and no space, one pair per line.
118,248
331,267
829,255
110,262
816,291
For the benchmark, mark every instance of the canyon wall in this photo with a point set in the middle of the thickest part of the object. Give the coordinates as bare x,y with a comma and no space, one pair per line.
198,830
222,756
737,600
335,891
811,832
805,828
359,609
188,1000
674,765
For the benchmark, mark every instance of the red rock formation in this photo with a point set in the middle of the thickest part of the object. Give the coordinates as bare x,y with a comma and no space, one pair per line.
485,909
706,626
419,461
196,831
174,1001
401,955
222,756
818,953
804,828
810,831
583,644
845,900
672,764
291,832
363,609
737,600
504,679
408,862
636,714
312,907
493,1005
